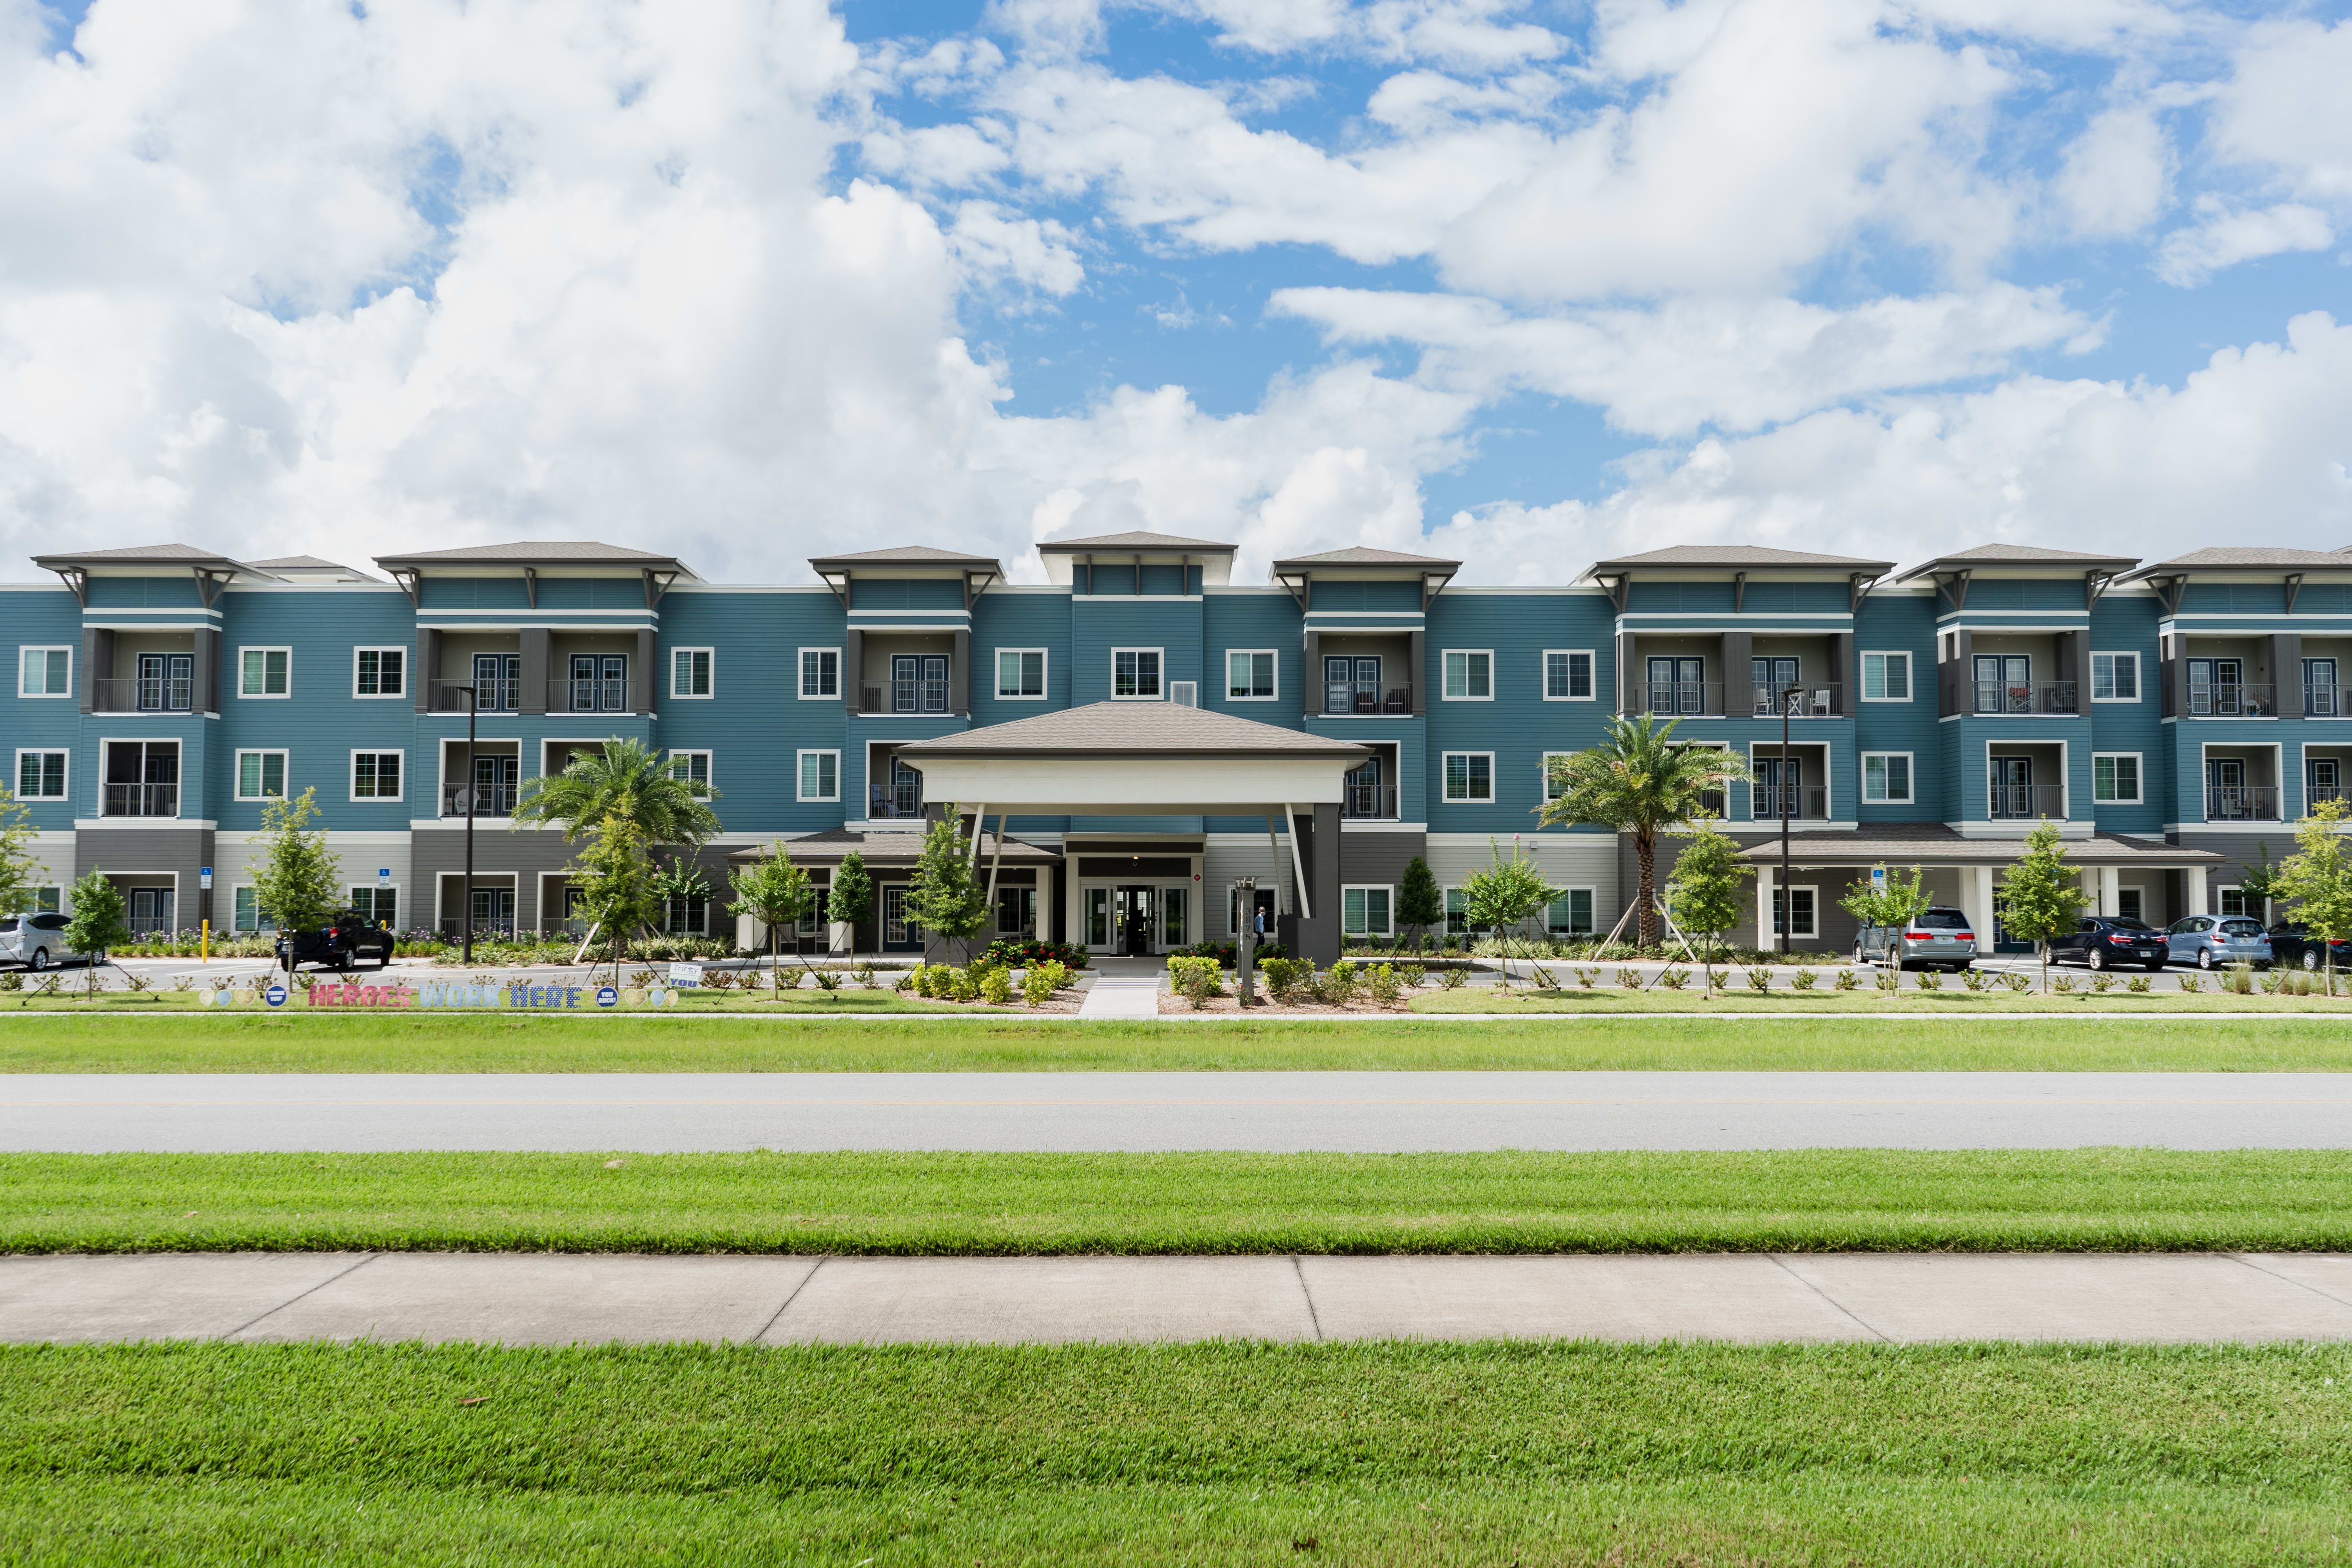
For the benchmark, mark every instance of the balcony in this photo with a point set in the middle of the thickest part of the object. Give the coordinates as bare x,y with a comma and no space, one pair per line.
2242,803
1806,803
2314,793
2027,803
1687,698
1368,803
589,694
2027,696
881,805
453,696
144,694
2324,701
490,800
1803,699
2232,699
1365,697
142,800
919,695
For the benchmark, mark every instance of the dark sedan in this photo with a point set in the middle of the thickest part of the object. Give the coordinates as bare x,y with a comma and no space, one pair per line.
2102,942
2293,944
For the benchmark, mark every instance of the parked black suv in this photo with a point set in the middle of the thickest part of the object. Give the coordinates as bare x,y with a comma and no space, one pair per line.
342,942
2293,945
2105,941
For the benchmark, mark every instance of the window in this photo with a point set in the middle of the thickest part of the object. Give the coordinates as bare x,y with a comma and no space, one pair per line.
1886,678
821,672
685,914
248,912
379,672
1457,918
691,767
1249,675
689,672
1886,778
2233,904
261,775
2114,778
1264,897
1552,787
142,779
376,776
1016,911
40,776
1364,911
1469,776
2114,677
820,775
263,671
1135,672
376,903
1469,677
1796,906
1021,674
1568,675
1570,914
45,672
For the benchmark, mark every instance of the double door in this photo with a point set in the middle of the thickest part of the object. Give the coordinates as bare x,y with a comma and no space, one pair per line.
600,683
1677,685
1350,685
1138,921
497,682
151,910
496,779
1780,782
919,683
166,682
2216,687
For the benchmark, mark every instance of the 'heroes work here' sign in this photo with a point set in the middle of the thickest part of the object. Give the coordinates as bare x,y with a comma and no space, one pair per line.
351,995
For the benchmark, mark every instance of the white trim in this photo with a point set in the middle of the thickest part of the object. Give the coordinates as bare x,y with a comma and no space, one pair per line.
2065,817
2139,686
1543,770
1467,653
352,775
399,900
1159,692
711,671
265,648
407,657
1862,674
800,665
2139,780
235,929
1591,673
1446,799
1910,776
800,764
1388,927
709,765
2202,821
236,772
64,648
1045,674
1593,904
18,777
1829,799
1273,655
1780,893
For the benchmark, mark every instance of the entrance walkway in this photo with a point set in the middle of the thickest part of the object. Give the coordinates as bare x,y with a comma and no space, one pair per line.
1122,988
561,1298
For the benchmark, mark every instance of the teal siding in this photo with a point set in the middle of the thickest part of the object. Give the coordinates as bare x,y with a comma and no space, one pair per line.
2127,625
905,594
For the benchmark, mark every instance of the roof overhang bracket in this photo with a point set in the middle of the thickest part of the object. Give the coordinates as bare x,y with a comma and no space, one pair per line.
1954,587
1432,584
975,584
1857,585
2095,582
1302,588
411,582
2293,586
210,583
531,588
1138,574
1739,592
656,584
2168,591
76,581
839,583
1617,588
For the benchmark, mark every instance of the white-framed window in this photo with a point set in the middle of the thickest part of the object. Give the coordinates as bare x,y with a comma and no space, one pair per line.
1549,782
1886,778
41,775
2114,677
246,910
1568,675
45,672
379,672
1469,675
1469,778
820,775
261,775
265,671
2232,901
376,776
1797,904
687,915
2114,778
1457,912
1364,911
1886,676
377,902
1570,914
1251,675
1021,674
690,671
821,673
1135,673
691,767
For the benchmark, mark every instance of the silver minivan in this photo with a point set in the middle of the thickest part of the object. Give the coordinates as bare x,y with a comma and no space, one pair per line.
34,941
1935,938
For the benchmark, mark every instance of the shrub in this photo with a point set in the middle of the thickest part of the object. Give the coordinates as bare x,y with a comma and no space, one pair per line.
864,973
2064,984
1037,986
1057,973
2240,979
1453,979
1227,952
1341,984
2302,984
12,981
1196,979
921,980
1629,977
1846,981
963,984
903,981
1804,980
1886,977
1413,976
2102,980
1929,980
1760,978
828,979
1029,954
1975,979
137,982
996,986
1718,980
2017,982
183,982
1285,977
2137,983
1380,984
1673,978
1585,977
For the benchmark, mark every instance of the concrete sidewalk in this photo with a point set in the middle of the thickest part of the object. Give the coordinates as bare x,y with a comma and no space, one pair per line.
558,1299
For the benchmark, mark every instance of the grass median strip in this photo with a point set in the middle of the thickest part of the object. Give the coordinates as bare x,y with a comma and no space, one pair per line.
1199,1453
301,1043
939,1204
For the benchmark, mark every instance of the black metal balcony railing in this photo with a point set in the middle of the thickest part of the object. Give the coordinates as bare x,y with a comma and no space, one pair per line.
1368,803
1366,697
2229,700
2314,793
1803,699
2027,696
904,697
2242,803
135,694
882,806
1807,803
1714,802
142,800
490,800
2324,702
456,697
2027,803
1669,698
590,694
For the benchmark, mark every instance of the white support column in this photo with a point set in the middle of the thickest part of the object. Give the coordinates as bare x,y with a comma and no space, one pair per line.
1764,937
1274,845
1981,906
979,826
1045,902
2111,892
2195,877
1299,862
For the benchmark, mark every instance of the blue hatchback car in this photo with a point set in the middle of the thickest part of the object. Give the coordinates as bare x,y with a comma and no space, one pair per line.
2214,942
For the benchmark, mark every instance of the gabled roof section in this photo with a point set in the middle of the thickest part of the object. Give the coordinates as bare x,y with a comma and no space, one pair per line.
1131,543
1131,729
1997,555
1736,557
535,552
2249,558
167,555
1362,555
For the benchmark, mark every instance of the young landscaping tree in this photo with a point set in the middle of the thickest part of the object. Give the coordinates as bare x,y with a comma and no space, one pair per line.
624,776
2260,882
18,867
2317,878
2042,896
677,883
776,894
1638,784
96,924
1705,890
851,898
943,894
1890,901
298,880
1506,895
1419,904
615,882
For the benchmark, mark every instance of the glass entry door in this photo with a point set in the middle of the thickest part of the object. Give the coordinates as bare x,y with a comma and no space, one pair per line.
495,780
1678,686
2012,786
497,682
1135,908
151,910
494,911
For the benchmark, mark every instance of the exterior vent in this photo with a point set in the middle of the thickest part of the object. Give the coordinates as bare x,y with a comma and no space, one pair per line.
1185,692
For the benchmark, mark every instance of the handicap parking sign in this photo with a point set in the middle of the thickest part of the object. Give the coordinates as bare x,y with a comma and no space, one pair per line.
608,998
275,995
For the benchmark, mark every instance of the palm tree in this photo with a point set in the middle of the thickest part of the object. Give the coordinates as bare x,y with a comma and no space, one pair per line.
627,777
1639,783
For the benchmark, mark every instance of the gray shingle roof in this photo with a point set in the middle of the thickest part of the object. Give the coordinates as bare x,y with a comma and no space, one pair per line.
137,555
1932,844
1738,555
2018,555
1134,542
1363,556
533,552
2240,557
905,555
1131,729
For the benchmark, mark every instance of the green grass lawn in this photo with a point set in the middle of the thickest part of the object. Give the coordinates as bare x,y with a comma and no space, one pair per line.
1606,999
302,1042
1211,1454
2102,1199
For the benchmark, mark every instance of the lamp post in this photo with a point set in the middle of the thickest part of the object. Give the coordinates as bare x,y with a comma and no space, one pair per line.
1245,895
1789,699
466,928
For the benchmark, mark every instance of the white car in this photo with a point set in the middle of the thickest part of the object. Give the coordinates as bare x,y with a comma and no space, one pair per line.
34,941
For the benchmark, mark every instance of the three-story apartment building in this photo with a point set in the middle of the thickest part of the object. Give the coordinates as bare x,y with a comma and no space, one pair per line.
1140,730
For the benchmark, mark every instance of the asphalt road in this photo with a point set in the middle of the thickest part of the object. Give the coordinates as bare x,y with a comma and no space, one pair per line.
1274,1111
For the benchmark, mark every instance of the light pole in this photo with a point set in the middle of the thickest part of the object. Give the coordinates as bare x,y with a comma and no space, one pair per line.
1245,901
1789,699
466,937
